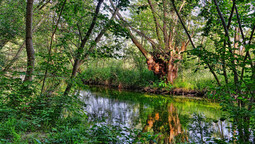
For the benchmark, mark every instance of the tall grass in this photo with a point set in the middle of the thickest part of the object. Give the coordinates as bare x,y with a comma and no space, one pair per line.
128,74
118,73
190,80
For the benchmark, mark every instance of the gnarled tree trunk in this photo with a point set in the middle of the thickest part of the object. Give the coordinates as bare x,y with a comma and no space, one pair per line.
163,60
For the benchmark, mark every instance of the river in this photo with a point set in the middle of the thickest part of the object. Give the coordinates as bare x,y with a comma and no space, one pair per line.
172,119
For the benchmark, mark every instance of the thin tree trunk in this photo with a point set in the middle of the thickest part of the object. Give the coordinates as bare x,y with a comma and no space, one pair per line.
29,42
51,41
228,41
224,47
247,117
98,38
186,31
80,49
165,26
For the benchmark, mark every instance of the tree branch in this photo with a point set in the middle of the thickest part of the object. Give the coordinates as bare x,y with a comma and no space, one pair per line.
244,42
157,25
224,47
231,14
80,49
164,25
228,41
100,35
186,31
80,34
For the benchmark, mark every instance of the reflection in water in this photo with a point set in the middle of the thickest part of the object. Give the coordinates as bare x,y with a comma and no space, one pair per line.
160,120
112,111
204,130
166,124
175,125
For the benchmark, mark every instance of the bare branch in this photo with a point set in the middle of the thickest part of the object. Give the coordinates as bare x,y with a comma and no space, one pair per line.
182,5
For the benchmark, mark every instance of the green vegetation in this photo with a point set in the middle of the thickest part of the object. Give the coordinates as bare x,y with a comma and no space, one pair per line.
51,50
113,72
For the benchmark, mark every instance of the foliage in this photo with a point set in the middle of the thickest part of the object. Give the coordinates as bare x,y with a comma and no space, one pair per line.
67,42
11,24
231,59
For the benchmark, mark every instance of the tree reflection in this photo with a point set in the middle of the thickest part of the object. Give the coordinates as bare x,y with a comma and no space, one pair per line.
165,126
167,120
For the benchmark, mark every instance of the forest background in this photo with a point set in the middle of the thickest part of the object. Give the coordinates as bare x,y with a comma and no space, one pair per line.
52,48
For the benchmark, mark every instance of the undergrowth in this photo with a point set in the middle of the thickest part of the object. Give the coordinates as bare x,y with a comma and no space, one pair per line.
26,116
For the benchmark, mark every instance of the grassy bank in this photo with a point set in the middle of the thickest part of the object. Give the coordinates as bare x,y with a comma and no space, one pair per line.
116,76
116,73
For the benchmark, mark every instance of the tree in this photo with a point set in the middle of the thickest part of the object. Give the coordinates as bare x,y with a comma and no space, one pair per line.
29,41
86,42
80,49
164,36
236,92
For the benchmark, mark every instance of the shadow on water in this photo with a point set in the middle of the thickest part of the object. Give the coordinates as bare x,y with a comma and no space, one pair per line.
160,119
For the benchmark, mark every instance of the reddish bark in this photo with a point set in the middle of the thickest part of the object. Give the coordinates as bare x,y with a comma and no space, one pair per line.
162,61
164,66
159,122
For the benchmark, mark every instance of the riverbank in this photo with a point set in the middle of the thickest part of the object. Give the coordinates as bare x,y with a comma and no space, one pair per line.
150,89
98,116
188,82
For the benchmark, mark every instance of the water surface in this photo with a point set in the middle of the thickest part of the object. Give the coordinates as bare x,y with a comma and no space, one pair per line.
173,119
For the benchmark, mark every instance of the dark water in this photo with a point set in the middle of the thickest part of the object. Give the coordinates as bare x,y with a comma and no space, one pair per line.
172,119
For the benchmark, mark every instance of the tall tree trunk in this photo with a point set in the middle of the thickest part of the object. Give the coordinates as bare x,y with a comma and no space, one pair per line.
29,41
